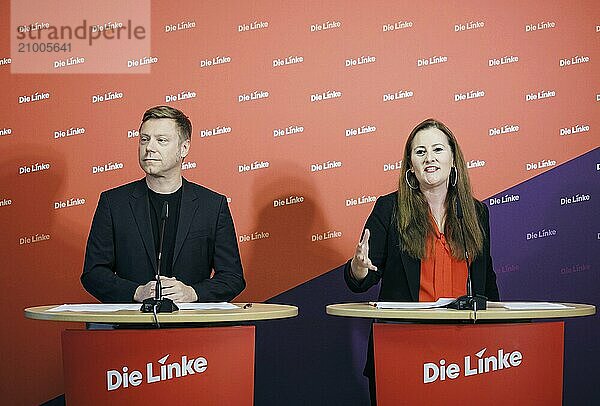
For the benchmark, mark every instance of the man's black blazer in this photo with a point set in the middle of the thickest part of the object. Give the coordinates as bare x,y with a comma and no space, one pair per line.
400,273
120,252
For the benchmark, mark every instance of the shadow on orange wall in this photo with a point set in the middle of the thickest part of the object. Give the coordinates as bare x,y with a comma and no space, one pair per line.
288,257
40,265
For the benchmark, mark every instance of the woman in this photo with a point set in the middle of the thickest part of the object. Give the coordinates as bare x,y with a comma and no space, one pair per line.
412,239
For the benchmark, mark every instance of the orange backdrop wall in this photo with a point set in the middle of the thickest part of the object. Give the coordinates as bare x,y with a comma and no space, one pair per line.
300,112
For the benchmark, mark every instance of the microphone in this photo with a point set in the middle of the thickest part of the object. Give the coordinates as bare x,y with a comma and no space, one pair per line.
164,215
468,301
158,304
459,216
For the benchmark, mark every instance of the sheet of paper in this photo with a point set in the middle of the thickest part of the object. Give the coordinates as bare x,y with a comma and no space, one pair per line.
207,306
95,307
441,302
113,307
527,305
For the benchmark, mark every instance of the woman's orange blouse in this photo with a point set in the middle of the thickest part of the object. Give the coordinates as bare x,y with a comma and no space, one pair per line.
442,275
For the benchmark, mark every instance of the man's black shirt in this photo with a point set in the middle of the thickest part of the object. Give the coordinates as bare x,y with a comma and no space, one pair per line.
156,204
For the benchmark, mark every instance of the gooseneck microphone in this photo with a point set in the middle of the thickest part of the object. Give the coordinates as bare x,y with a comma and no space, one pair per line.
164,215
459,216
158,304
468,301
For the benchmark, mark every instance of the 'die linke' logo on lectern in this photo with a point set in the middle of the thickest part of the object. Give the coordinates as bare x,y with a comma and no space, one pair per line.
433,372
125,378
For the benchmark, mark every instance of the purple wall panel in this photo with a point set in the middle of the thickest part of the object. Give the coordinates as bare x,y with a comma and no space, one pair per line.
562,264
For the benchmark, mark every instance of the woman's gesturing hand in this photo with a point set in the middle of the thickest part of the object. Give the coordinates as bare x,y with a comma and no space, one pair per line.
361,263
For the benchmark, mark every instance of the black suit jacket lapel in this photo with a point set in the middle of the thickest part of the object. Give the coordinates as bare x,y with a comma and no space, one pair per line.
140,207
478,275
412,267
189,205
479,264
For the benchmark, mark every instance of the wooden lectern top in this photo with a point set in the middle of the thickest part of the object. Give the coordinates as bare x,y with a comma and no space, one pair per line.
367,310
244,312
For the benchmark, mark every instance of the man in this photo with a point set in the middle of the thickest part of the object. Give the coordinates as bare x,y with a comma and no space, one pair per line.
199,237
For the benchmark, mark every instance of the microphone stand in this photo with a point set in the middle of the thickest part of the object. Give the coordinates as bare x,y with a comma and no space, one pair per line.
159,304
468,301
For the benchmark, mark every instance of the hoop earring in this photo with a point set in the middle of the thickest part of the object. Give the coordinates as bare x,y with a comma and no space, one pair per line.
408,182
453,179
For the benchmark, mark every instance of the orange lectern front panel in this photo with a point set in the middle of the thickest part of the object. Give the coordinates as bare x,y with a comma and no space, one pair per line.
495,364
208,366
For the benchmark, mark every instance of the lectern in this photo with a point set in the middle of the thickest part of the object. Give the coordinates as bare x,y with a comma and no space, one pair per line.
208,359
445,356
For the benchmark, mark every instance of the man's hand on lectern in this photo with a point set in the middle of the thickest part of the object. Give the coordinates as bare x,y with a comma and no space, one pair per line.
177,291
361,263
144,291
